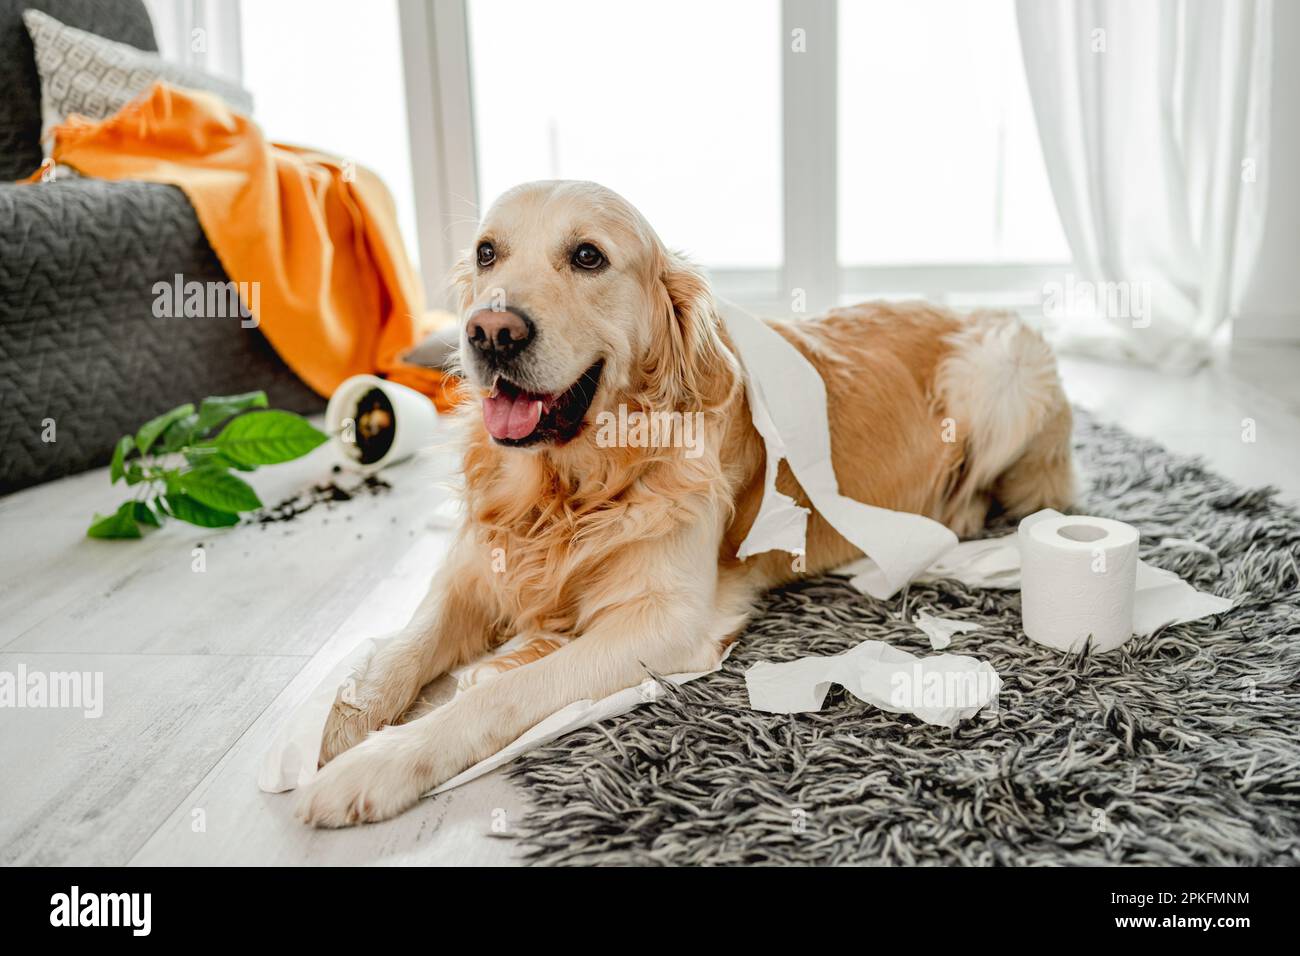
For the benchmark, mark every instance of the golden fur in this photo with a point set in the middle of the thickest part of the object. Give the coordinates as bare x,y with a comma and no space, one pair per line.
611,560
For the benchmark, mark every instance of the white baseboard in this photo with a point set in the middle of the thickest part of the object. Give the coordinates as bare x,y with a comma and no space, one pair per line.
1266,328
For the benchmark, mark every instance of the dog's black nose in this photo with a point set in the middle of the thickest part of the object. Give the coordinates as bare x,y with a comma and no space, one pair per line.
499,333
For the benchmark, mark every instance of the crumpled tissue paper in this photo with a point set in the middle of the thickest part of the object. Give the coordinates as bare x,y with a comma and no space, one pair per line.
944,689
940,630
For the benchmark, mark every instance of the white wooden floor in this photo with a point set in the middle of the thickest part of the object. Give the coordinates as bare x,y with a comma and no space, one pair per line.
199,669
1206,413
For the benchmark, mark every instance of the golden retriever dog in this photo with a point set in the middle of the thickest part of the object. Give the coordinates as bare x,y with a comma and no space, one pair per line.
616,558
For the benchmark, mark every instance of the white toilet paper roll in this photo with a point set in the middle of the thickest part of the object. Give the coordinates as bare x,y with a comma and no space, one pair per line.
1078,578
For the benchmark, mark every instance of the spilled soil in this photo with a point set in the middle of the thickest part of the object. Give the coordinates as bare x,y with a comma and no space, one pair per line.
329,494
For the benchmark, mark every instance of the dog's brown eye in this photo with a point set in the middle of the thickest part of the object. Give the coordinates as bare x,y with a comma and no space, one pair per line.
486,254
587,256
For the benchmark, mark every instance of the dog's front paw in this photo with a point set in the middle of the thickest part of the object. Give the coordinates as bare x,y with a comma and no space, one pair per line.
346,726
372,782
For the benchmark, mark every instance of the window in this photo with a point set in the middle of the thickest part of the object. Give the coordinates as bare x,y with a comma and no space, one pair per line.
675,105
324,76
806,149
899,157
939,159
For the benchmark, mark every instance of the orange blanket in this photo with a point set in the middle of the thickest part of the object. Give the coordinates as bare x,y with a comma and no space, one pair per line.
338,295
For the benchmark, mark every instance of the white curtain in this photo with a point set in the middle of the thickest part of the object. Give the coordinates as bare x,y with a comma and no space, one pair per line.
199,33
1153,118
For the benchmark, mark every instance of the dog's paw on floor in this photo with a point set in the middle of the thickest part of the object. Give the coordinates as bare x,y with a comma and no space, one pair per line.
367,784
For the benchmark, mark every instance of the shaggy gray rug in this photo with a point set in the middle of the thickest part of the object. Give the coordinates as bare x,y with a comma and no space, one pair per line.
1180,748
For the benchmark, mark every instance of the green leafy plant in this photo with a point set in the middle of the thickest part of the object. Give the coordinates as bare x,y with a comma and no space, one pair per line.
181,463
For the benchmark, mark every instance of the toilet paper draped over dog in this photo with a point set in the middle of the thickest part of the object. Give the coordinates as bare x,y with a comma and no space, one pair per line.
787,399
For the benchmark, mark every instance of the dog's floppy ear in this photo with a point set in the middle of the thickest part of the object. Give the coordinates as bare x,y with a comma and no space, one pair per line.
690,368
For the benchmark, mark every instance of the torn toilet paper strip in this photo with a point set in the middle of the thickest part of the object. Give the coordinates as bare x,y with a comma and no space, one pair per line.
944,689
1164,598
941,629
788,405
989,563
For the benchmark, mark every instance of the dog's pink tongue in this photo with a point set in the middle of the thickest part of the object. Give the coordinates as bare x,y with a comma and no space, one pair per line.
512,418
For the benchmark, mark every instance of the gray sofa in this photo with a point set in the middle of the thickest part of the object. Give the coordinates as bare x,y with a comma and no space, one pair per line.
79,343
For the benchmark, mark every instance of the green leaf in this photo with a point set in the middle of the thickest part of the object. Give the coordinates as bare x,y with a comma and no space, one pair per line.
150,430
267,438
172,479
180,433
217,408
218,489
134,473
208,455
116,471
144,515
120,524
185,508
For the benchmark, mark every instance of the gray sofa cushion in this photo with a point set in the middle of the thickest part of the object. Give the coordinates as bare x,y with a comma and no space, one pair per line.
79,342
126,21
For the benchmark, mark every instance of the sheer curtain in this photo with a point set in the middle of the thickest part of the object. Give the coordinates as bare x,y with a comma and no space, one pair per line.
199,33
1154,121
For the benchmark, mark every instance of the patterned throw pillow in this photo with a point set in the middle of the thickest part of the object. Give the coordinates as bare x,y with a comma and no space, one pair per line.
86,74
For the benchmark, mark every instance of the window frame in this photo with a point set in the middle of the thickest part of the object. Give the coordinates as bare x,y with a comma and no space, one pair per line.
439,96
444,163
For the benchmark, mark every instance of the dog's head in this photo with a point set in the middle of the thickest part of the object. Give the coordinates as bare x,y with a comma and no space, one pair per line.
571,304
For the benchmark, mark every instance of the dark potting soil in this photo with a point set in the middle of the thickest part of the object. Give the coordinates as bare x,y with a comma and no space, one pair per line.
376,426
326,493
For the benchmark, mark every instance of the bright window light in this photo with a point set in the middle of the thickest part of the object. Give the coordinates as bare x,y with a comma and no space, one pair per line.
939,160
323,75
676,105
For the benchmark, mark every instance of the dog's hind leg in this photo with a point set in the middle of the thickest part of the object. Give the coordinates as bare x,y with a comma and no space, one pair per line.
1000,387
1044,476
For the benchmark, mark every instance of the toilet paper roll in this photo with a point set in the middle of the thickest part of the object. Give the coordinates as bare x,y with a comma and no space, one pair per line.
1078,578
